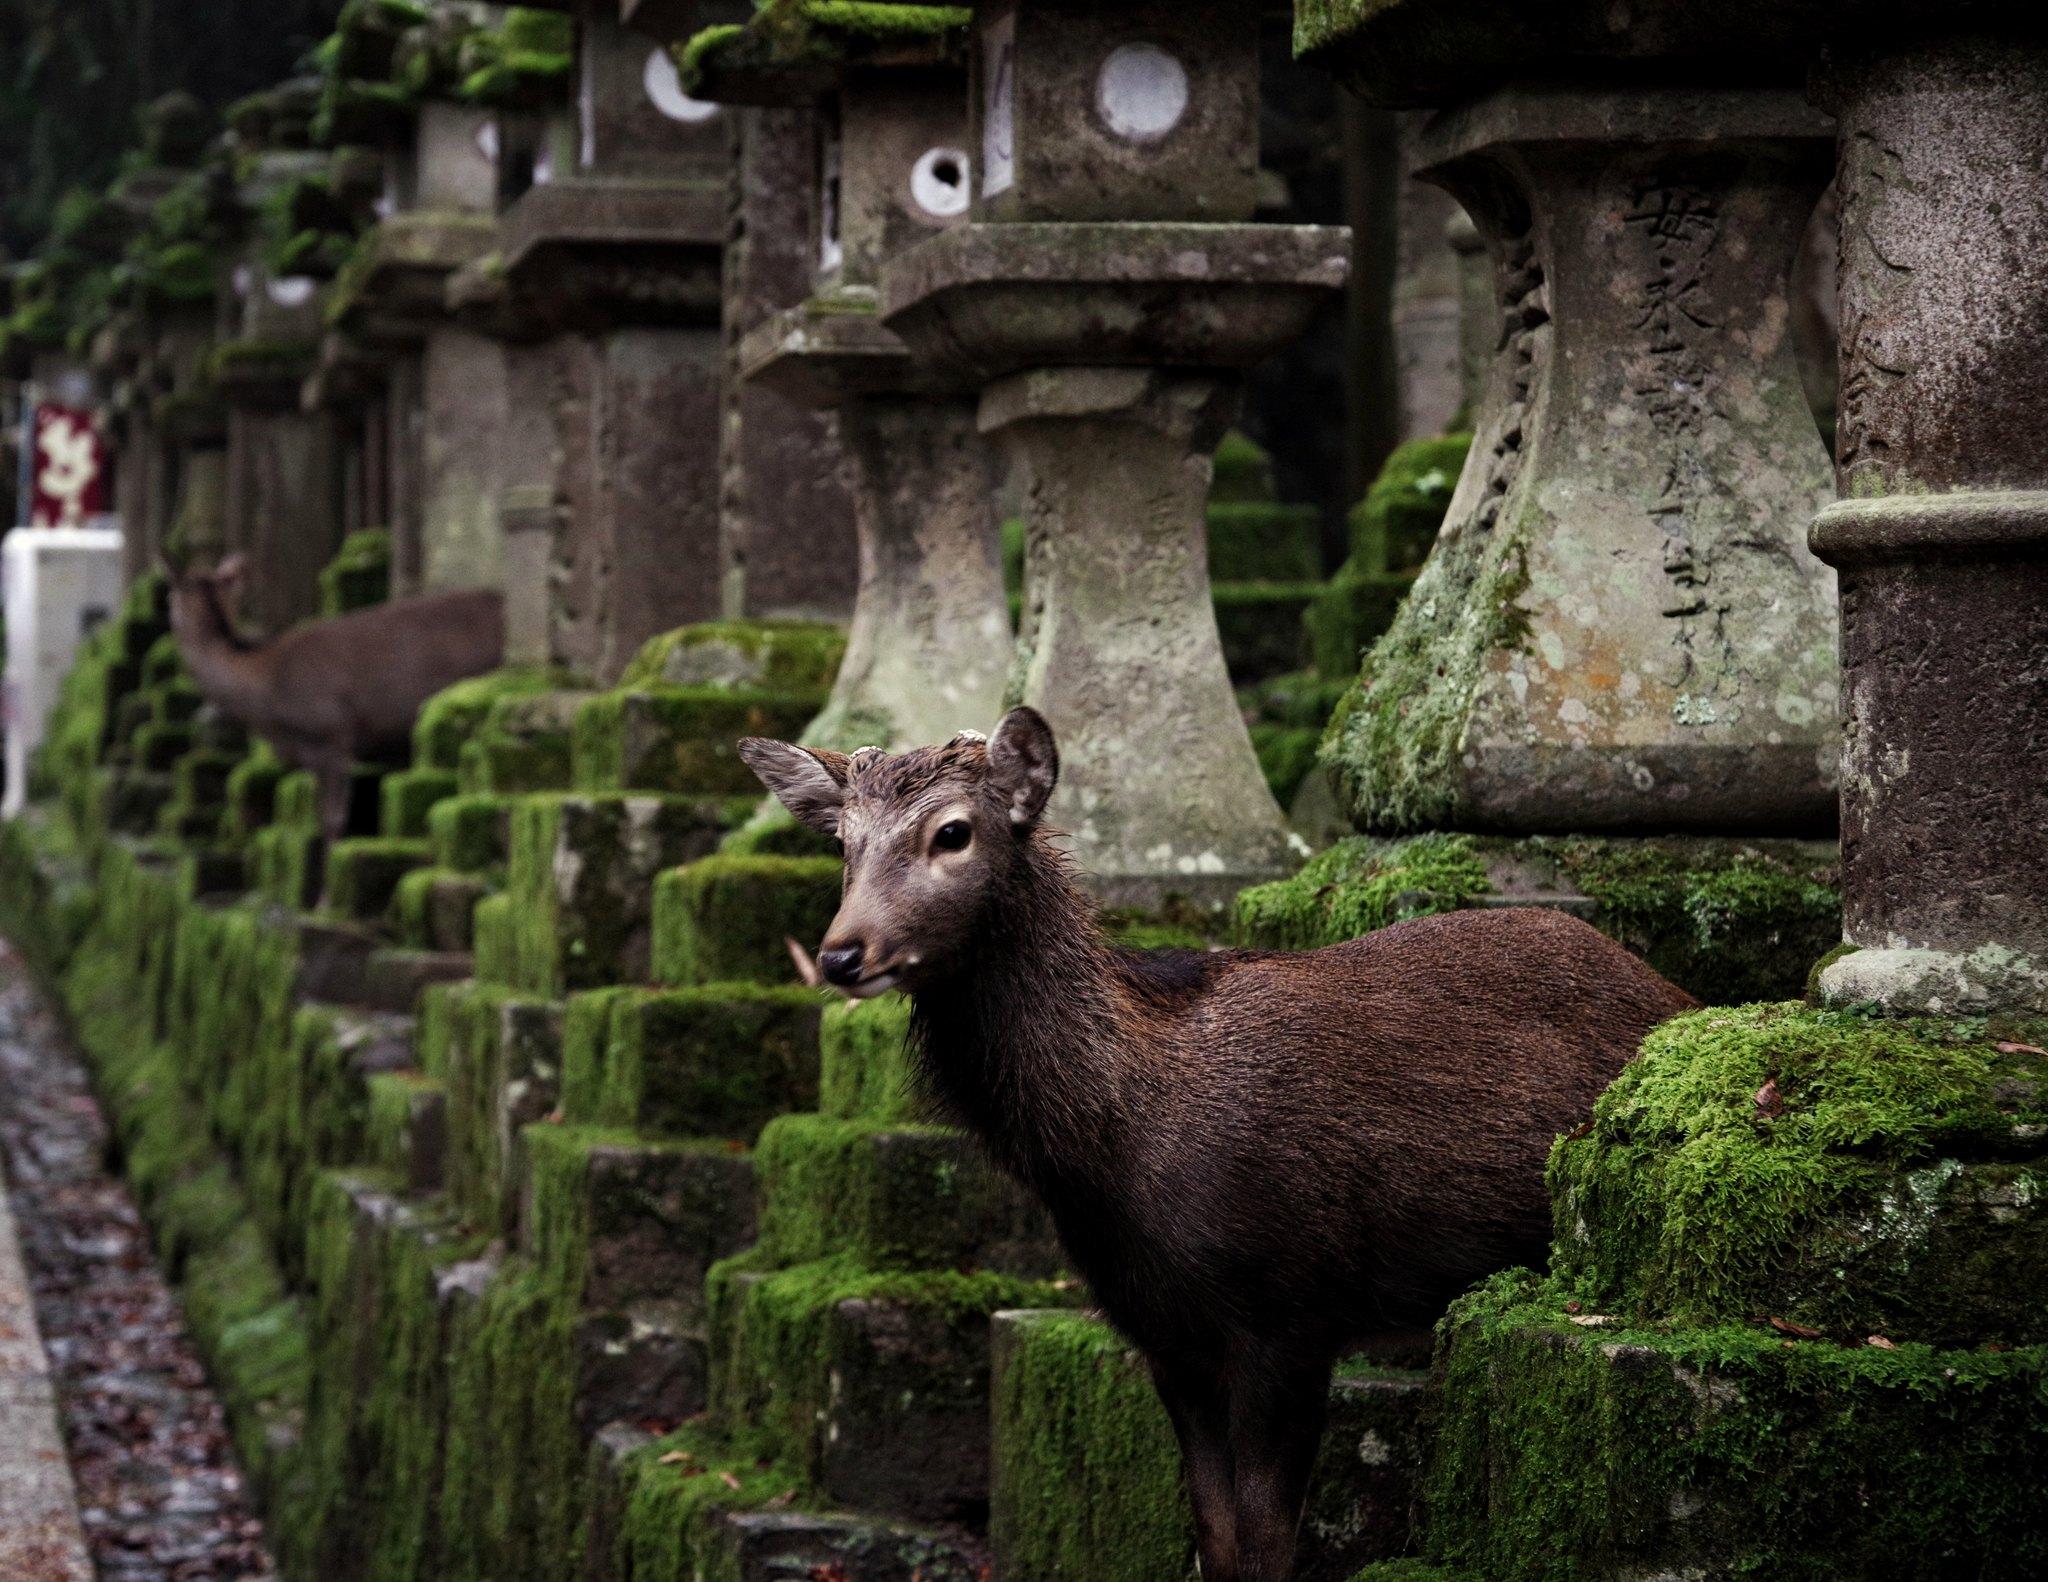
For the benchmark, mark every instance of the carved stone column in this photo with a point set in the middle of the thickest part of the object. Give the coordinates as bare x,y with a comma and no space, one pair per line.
1620,628
1942,537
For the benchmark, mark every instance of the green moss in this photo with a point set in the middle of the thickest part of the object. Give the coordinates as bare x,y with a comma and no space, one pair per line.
1286,755
1359,885
680,739
678,1488
454,715
710,1062
1892,1183
764,656
409,798
470,834
359,575
864,1061
1563,1451
251,360
728,919
1395,742
1727,920
363,875
1261,626
1257,541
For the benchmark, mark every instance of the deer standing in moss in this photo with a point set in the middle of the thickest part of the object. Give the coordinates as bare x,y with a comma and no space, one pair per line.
1258,1159
330,694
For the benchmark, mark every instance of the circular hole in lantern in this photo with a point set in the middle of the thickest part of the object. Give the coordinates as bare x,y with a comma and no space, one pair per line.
665,89
1141,92
939,182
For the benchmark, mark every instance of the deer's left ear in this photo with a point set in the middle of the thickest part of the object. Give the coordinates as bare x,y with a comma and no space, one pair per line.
230,572
1024,764
811,783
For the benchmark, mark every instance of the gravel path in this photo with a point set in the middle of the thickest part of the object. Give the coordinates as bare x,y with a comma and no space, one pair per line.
158,1490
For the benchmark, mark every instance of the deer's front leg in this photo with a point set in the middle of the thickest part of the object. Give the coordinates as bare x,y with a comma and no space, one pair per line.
1200,1414
1277,1414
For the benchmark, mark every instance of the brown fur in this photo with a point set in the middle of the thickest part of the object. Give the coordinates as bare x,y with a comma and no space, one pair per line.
1257,1159
332,693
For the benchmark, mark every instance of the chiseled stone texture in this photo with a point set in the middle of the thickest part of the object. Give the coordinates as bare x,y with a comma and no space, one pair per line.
1621,627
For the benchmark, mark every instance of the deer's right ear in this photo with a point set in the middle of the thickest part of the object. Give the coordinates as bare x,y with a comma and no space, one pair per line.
811,784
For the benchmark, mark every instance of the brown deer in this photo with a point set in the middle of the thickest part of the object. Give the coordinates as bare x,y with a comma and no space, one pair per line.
338,692
1256,1158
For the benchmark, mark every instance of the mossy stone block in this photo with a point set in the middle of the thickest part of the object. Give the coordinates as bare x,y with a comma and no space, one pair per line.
864,1068
916,1197
1729,920
719,1061
494,930
252,793
1850,1174
1286,755
1087,1475
363,875
523,745
454,715
470,834
1261,626
1395,525
359,576
158,746
409,797
683,740
755,656
727,919
582,876
1258,541
875,1384
622,1219
287,861
1567,1448
298,799
1351,614
408,1129
436,909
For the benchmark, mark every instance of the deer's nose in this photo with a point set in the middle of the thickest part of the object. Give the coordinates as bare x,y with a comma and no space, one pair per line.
842,965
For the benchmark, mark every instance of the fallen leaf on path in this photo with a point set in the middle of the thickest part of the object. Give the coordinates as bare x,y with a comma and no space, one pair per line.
1768,1104
729,1481
1881,1343
2008,1048
1785,1326
1593,1320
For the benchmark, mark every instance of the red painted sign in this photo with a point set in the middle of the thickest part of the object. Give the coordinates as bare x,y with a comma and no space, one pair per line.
70,462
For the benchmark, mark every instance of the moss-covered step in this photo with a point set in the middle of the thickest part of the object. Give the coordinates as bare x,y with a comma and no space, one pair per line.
752,656
1574,1445
1729,920
1261,626
500,1056
1846,1174
408,1130
363,875
895,1196
470,834
623,1218
157,746
409,797
581,877
127,801
199,789
435,909
453,717
872,1383
728,918
251,797
359,575
683,740
395,977
864,1064
1087,1476
693,1504
717,1061
523,745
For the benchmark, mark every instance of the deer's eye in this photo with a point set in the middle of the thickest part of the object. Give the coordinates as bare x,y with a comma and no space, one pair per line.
953,836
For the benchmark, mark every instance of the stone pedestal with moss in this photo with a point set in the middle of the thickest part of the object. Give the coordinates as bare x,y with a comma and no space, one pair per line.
1098,301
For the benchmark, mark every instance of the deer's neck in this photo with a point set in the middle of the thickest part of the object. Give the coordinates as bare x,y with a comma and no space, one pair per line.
1034,1045
227,667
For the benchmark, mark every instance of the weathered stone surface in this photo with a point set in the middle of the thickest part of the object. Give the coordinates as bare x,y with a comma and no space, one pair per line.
1942,542
1619,628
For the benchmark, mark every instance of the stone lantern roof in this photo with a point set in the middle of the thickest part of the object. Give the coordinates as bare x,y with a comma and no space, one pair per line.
794,51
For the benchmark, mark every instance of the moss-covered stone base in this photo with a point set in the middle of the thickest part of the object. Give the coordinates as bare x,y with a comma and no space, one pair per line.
1729,920
728,918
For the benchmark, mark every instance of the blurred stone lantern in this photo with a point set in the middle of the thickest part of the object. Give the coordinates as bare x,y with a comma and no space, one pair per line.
930,640
1104,295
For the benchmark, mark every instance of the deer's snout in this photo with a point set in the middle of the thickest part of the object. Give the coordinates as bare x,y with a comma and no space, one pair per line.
842,964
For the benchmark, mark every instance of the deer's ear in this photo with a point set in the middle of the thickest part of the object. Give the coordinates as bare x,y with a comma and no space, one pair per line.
1024,764
230,572
811,784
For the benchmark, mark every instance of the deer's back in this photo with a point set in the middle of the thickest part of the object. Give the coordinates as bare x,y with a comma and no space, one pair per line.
1365,1127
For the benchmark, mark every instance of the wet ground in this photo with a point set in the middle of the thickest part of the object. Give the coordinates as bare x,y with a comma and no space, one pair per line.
159,1494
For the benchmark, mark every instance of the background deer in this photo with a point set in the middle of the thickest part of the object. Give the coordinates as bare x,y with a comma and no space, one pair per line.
1257,1159
333,693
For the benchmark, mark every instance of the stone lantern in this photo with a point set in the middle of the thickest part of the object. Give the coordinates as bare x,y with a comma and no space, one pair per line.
1104,295
785,511
605,287
1621,628
929,646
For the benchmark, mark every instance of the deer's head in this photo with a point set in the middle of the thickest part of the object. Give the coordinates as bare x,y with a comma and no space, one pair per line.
203,602
931,839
